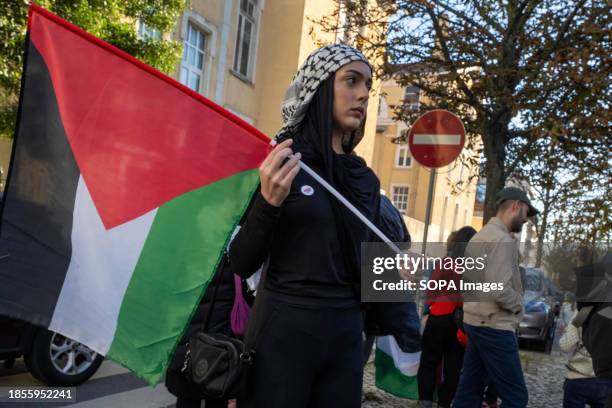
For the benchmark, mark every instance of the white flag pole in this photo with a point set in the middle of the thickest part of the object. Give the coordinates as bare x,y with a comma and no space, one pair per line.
350,206
344,201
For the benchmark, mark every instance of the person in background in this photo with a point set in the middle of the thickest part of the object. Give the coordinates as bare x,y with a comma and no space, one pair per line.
441,338
491,319
581,387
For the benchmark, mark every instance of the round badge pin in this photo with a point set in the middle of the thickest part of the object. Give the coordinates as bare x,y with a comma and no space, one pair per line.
307,190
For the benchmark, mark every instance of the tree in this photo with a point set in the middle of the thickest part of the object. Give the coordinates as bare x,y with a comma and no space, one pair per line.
515,71
566,189
114,21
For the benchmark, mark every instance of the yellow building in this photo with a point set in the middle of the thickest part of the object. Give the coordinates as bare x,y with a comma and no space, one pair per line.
242,54
406,182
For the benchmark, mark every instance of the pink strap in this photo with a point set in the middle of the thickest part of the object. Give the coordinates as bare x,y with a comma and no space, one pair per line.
240,310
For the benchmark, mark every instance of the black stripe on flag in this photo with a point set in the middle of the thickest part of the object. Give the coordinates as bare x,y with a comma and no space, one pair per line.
36,226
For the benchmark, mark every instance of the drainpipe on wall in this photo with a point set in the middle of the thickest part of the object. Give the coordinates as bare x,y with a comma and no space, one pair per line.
227,15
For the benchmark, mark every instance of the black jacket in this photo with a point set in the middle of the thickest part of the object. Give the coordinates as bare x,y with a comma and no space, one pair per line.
597,337
219,323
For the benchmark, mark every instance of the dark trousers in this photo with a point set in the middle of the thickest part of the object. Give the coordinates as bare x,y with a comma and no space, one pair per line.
439,344
193,403
491,355
581,391
307,355
367,348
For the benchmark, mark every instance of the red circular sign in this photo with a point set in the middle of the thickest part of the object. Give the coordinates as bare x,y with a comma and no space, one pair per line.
436,138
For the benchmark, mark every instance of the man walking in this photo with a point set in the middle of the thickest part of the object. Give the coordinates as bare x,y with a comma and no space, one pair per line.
491,319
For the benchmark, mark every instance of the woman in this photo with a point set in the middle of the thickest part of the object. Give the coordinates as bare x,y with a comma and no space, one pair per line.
441,337
307,323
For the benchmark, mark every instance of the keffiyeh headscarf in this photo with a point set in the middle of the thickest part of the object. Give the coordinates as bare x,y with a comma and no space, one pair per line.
308,119
318,67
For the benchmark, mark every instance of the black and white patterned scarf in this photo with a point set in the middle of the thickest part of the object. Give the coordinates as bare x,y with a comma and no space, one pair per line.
319,66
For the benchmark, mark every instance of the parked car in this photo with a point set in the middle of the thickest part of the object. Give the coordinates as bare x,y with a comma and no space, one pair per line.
541,310
50,357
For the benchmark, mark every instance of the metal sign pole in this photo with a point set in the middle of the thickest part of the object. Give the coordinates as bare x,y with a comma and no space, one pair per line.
432,178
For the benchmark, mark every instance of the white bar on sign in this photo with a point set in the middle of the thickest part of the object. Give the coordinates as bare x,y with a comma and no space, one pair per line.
423,139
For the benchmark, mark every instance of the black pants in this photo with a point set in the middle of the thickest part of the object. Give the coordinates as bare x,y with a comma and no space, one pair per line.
440,344
367,348
192,403
307,355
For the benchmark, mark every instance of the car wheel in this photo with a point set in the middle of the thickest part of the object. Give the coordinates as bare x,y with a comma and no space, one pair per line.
59,361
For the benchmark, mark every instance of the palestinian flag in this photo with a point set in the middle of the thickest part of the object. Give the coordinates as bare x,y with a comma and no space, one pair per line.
123,191
396,371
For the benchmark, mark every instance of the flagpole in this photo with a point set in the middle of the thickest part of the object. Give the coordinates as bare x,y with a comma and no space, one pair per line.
350,206
346,202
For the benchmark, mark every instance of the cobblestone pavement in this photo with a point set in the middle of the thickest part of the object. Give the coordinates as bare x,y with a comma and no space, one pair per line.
544,375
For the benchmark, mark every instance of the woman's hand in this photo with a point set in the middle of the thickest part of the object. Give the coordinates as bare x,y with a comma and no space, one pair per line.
276,174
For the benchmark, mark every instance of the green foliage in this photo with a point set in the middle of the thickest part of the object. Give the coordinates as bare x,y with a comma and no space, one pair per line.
114,21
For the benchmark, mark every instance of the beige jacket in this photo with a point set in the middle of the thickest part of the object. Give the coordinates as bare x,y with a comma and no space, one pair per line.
579,364
502,309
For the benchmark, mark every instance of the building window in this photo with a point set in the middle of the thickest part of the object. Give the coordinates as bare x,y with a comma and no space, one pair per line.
411,98
147,33
247,23
400,198
402,156
383,109
194,57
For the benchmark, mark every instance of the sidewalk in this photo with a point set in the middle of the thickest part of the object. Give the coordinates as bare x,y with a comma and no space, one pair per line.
544,375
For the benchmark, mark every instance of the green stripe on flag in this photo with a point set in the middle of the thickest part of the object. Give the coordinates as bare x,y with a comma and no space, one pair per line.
391,380
180,254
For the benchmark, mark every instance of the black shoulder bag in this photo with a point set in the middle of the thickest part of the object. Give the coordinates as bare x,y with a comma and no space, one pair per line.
217,363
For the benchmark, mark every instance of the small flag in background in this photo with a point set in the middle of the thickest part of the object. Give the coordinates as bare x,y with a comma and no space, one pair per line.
396,371
123,191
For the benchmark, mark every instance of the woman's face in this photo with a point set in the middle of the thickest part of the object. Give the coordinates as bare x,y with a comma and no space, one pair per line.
352,86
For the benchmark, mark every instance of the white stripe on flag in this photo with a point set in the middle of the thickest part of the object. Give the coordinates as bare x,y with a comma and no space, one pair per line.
406,363
424,139
100,270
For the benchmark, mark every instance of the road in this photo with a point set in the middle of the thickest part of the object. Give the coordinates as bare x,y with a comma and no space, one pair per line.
111,386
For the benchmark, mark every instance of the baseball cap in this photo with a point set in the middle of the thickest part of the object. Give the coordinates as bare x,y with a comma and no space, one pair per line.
513,193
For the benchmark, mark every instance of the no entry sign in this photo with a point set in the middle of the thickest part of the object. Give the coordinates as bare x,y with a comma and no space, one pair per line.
436,138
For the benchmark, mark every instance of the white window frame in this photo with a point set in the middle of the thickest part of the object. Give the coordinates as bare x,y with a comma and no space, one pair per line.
413,106
257,11
145,32
383,108
210,31
395,203
398,149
